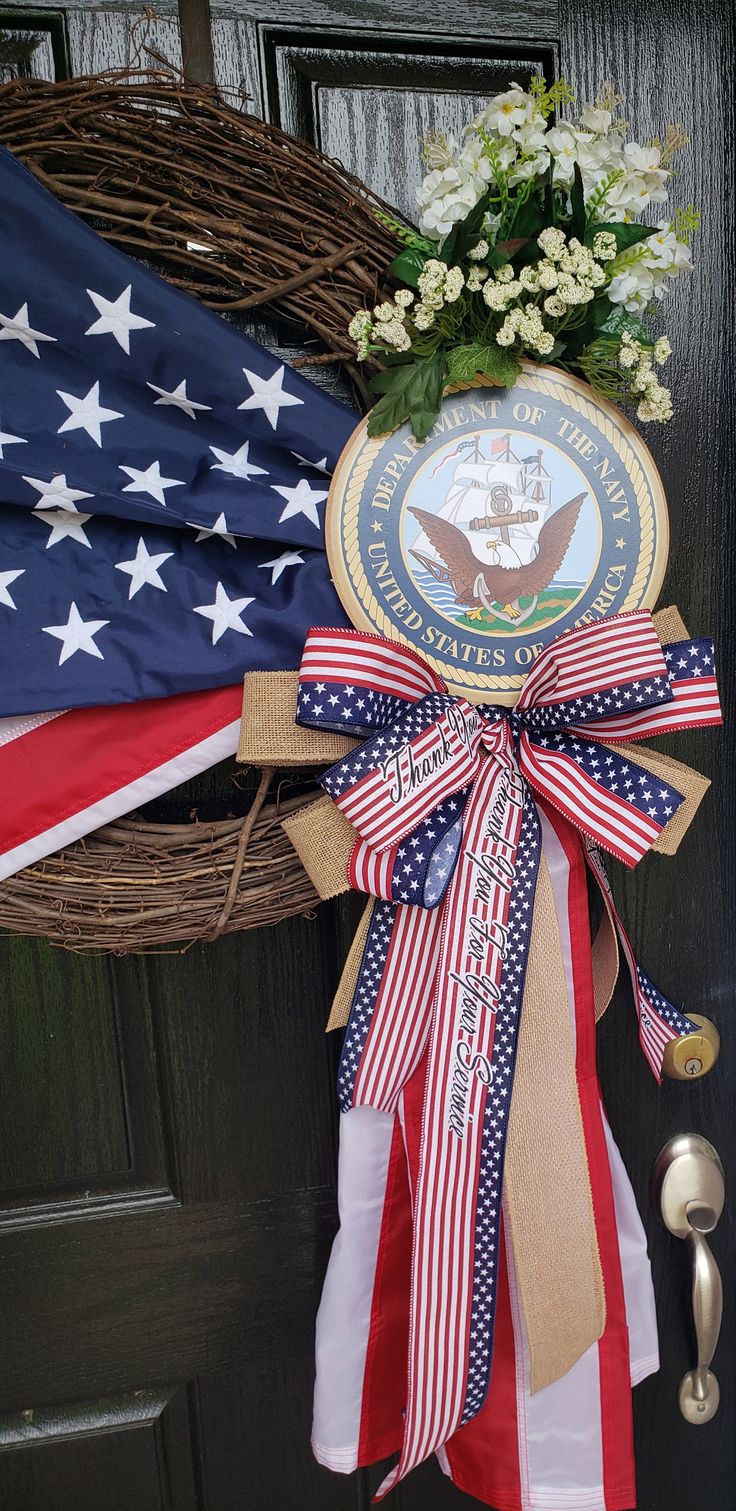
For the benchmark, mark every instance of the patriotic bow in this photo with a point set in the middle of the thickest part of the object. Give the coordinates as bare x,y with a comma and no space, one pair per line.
442,795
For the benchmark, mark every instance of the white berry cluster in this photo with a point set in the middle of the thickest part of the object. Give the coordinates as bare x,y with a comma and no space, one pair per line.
525,325
567,275
654,401
386,327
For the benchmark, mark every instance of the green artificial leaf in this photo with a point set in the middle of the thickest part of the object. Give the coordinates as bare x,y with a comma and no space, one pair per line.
496,259
557,350
626,233
528,220
576,340
577,203
463,362
549,207
466,234
512,246
413,391
386,380
408,265
616,320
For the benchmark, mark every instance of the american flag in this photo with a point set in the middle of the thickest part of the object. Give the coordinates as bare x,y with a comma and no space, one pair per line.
162,491
163,479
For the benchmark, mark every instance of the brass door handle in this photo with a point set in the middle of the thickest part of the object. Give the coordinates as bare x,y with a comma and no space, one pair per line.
688,1192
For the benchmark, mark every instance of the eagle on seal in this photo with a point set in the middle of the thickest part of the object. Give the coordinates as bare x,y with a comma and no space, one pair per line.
481,586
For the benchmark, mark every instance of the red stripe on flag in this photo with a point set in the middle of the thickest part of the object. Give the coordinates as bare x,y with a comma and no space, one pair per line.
69,775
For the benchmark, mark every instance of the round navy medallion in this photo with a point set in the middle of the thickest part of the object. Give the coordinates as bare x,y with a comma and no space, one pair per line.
525,513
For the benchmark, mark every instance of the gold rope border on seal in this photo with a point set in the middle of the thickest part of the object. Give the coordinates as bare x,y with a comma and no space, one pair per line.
343,550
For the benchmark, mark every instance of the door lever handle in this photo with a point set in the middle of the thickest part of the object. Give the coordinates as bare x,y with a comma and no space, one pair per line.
688,1192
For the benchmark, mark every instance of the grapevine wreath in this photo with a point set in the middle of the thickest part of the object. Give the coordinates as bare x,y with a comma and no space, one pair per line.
288,231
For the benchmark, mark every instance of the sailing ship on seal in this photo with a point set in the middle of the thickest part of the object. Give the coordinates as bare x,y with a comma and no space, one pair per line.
496,539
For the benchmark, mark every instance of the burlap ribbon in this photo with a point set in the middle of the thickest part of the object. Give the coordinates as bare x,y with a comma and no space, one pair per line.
549,1201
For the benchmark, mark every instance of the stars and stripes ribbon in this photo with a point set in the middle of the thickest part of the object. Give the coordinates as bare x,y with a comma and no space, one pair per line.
442,796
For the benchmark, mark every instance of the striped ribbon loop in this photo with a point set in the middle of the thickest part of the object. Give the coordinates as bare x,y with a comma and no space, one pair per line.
441,794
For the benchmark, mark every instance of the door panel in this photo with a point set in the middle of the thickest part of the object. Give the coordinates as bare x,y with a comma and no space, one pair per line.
675,62
168,1123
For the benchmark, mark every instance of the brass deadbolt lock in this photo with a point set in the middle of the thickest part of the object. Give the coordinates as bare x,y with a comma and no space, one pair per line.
693,1055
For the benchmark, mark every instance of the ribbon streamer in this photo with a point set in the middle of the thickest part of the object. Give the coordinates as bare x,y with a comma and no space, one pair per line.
442,795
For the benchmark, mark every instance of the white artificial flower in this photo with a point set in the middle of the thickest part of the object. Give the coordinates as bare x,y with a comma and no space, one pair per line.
507,111
476,278
491,225
599,158
632,287
474,159
385,312
665,253
562,143
530,167
445,197
662,349
403,297
477,253
642,159
595,120
532,135
439,151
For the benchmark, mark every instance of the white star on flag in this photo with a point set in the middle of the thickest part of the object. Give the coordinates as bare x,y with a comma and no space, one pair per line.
236,463
116,318
225,614
18,328
10,440
86,413
300,500
76,635
288,559
177,397
219,529
5,580
149,480
56,494
268,394
305,461
143,569
64,524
